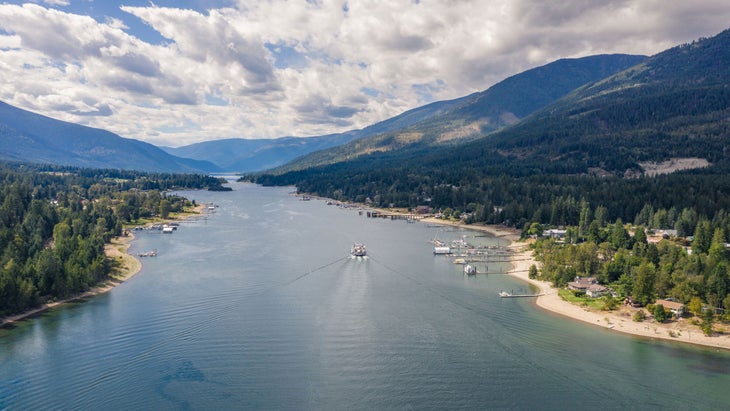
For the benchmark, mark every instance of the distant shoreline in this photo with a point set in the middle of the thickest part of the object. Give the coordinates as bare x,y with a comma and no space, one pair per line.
619,320
129,265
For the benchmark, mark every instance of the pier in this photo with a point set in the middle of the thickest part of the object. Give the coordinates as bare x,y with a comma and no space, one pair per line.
395,216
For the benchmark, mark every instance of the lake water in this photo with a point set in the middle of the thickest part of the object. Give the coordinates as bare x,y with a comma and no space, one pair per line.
259,306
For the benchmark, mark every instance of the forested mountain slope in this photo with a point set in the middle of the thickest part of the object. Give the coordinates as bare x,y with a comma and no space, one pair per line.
675,104
583,146
477,114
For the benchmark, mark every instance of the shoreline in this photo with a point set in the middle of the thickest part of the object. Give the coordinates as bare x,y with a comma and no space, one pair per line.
117,249
619,320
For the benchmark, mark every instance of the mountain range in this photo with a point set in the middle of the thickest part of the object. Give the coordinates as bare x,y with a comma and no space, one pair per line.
35,138
605,114
667,117
468,118
671,105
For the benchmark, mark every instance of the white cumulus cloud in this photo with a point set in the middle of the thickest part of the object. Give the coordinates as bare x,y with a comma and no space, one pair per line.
276,68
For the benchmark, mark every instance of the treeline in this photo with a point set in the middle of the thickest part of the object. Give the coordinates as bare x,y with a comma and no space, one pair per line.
515,201
54,222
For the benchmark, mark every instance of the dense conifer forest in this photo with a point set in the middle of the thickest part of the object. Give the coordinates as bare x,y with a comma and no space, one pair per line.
54,222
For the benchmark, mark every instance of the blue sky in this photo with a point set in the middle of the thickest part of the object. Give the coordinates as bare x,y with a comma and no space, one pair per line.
179,72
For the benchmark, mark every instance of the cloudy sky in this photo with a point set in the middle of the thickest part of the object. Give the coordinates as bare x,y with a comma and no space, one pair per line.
183,71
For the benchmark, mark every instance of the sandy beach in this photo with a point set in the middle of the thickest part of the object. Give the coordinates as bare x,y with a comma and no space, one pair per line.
619,320
128,265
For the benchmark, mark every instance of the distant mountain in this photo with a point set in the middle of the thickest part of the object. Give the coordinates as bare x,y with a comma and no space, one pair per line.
470,117
243,155
30,137
250,155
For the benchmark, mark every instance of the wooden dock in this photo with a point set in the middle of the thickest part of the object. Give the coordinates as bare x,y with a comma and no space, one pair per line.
504,294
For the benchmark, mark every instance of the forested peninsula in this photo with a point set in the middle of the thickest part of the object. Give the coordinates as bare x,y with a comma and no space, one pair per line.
55,221
666,264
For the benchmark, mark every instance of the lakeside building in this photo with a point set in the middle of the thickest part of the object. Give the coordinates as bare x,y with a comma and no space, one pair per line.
678,309
555,233
588,285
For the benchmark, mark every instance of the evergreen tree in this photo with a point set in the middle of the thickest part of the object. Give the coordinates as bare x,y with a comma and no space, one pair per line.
703,237
594,232
640,236
717,250
585,219
619,236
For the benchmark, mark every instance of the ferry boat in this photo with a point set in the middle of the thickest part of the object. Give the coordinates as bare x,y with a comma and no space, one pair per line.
358,250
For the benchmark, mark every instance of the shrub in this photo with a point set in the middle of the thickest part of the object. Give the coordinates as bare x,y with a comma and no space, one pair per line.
706,328
639,316
609,303
660,315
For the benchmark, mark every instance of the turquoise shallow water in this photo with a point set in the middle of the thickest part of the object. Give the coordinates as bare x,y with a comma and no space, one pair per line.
259,306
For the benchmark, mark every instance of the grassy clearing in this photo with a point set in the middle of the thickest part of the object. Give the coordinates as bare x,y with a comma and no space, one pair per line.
584,301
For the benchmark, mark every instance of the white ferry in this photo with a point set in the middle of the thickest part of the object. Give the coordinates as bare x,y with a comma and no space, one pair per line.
358,250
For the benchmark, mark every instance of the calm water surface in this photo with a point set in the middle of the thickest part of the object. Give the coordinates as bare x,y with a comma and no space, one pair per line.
259,306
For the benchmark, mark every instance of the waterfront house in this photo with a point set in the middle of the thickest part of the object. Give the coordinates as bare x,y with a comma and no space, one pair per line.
678,309
588,285
555,233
